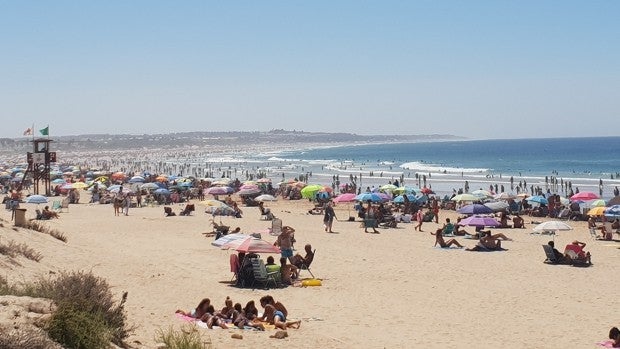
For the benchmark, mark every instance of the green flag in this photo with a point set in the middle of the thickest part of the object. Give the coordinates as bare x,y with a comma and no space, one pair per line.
45,131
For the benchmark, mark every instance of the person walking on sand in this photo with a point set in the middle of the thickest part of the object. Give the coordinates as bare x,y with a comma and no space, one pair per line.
419,217
328,219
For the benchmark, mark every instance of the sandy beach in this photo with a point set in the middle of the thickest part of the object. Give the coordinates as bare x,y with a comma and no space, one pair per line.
392,289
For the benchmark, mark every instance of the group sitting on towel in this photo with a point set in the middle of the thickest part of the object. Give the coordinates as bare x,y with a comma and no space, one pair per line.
274,314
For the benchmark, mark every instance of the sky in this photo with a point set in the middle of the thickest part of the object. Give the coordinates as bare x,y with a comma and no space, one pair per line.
478,69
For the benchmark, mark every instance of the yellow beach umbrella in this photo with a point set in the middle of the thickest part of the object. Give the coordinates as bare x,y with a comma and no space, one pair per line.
597,211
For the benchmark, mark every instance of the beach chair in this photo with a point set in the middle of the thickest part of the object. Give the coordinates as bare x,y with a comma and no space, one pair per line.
56,206
305,266
550,255
234,266
276,227
64,204
608,231
261,275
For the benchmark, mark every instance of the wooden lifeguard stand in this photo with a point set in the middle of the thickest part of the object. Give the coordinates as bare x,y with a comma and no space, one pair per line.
39,165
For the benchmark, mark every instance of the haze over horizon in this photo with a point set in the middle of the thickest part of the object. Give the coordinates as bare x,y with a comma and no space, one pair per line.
479,69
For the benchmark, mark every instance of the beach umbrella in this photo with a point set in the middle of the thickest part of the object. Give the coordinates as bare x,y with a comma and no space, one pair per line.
427,191
162,191
364,197
614,201
309,191
218,190
223,181
465,197
161,178
474,209
405,189
346,197
67,186
101,179
613,211
265,197
149,186
497,206
523,195
248,186
36,199
213,203
114,187
552,226
597,211
504,196
479,221
58,181
584,195
252,245
248,192
401,198
119,176
482,193
598,203
388,187
264,180
136,179
224,239
539,199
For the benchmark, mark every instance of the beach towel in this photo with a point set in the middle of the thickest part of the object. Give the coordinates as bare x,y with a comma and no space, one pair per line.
202,324
606,344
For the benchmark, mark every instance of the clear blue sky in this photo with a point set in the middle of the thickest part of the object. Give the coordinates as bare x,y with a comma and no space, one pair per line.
481,69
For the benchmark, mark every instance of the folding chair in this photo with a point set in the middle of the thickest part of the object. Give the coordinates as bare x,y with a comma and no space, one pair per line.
234,266
64,204
56,206
305,266
261,275
276,227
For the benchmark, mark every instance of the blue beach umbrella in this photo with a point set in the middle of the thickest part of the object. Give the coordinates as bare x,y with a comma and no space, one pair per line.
538,199
374,197
162,191
36,199
401,198
613,211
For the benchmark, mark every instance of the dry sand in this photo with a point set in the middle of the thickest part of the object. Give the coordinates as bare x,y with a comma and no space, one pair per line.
391,290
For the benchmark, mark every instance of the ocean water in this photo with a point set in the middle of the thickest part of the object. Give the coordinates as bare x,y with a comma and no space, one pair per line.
582,161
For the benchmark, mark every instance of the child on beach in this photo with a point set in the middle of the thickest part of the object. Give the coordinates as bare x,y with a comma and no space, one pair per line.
419,217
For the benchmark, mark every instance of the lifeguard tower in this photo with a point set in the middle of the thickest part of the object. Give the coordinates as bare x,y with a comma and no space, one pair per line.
39,161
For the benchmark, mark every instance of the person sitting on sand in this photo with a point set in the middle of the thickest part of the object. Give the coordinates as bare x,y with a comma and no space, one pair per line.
288,272
47,214
447,229
458,229
517,221
199,311
300,261
268,300
575,252
559,256
614,335
445,244
227,310
503,220
241,321
488,242
278,319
